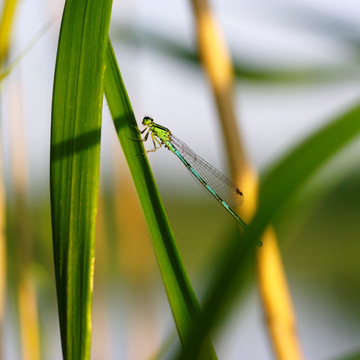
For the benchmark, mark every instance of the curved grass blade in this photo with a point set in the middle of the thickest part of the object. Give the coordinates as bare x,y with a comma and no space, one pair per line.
74,167
181,296
278,185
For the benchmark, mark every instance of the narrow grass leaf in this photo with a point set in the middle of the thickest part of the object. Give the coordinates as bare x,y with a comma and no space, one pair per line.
181,296
74,167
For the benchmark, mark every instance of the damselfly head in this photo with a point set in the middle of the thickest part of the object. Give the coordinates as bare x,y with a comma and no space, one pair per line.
147,120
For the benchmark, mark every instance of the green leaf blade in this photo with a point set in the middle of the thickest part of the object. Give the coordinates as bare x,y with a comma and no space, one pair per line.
74,168
180,294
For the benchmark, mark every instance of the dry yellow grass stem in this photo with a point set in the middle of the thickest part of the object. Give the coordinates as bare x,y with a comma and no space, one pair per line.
276,300
218,67
6,24
28,319
280,317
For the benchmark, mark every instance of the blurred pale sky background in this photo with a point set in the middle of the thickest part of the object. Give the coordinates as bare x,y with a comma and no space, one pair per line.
176,94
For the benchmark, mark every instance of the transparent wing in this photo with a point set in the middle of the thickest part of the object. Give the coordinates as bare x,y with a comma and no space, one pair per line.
223,186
